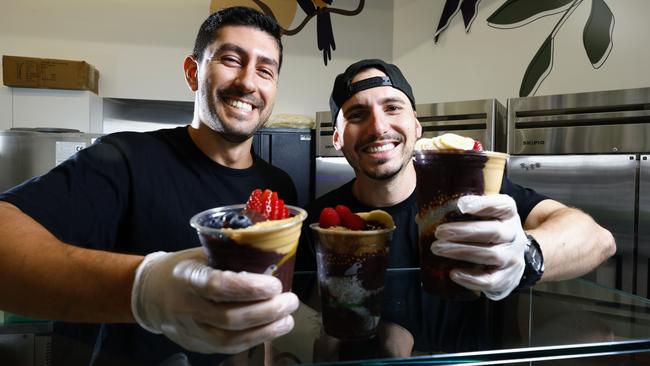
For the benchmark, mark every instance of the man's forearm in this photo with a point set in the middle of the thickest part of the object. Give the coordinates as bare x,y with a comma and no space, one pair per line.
45,278
572,243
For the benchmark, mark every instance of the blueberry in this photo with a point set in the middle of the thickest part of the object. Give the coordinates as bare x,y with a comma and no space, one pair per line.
240,222
228,216
214,222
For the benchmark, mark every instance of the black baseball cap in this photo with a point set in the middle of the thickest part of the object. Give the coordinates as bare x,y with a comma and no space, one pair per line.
344,88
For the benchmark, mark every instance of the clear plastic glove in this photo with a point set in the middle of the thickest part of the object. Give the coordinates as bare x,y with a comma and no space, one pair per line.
497,243
207,310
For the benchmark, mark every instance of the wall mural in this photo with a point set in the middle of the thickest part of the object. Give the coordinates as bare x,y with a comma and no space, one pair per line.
596,35
284,11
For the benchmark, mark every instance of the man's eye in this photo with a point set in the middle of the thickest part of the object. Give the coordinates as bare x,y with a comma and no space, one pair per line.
393,108
230,60
266,73
354,117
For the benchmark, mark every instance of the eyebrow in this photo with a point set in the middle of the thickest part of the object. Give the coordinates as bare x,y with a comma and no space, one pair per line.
231,47
387,100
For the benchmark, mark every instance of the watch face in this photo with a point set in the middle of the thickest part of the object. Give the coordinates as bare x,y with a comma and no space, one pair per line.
535,260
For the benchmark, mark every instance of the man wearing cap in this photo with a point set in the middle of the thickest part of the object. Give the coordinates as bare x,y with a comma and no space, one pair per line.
376,126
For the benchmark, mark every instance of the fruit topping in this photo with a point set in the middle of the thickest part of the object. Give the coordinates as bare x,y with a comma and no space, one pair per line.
349,219
342,216
448,141
268,204
377,218
477,146
262,205
229,220
328,218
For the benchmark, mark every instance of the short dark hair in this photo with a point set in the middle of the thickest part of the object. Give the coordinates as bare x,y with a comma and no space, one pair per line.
238,15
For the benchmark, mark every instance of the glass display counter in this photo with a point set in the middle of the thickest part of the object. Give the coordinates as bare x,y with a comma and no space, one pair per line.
574,322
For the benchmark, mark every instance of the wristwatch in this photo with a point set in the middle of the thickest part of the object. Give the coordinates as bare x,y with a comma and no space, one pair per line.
534,261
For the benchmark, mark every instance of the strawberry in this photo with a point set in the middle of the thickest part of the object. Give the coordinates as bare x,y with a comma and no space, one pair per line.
329,217
268,204
255,200
349,219
342,210
477,146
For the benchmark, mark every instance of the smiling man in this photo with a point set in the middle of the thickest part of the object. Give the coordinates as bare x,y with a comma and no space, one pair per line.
376,127
104,237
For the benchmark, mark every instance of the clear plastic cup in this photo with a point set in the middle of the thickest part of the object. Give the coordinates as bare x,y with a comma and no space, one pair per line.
351,270
443,177
268,247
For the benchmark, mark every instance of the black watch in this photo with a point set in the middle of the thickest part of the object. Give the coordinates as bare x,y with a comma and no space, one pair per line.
534,261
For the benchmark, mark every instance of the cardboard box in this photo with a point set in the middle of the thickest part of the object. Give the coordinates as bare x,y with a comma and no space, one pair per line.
29,72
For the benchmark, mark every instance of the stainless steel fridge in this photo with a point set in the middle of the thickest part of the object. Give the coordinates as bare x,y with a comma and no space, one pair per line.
29,152
589,150
480,119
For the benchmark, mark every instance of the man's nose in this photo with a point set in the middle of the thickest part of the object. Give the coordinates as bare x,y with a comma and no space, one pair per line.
378,123
246,78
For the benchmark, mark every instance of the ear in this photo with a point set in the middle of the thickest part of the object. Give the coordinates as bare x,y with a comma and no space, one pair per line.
191,68
418,126
337,139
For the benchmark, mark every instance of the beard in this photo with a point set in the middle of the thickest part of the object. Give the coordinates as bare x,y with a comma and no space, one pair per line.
384,174
234,130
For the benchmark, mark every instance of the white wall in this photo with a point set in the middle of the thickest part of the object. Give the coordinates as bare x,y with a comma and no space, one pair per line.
489,62
139,46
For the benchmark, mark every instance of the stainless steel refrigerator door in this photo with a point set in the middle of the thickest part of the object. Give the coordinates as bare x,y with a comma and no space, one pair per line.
643,247
24,155
331,173
601,185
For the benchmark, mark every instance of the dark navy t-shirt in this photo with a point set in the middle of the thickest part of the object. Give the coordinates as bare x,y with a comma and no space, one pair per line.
135,193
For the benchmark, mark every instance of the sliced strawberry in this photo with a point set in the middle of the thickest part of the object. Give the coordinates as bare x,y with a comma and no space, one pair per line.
278,210
328,218
266,203
477,146
255,200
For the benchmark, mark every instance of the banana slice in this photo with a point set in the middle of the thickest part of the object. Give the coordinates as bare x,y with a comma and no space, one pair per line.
453,141
380,216
446,141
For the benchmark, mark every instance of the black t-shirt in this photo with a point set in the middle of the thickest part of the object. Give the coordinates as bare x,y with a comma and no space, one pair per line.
403,252
135,193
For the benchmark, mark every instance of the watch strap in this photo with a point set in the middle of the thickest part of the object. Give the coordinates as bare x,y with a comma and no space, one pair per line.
534,263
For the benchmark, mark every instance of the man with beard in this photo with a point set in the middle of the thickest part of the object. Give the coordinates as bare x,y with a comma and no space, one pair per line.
376,127
104,236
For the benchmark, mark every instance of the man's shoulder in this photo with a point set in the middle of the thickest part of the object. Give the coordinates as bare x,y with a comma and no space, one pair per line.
130,137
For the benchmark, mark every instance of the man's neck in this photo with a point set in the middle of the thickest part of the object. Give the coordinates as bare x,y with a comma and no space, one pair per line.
214,146
385,193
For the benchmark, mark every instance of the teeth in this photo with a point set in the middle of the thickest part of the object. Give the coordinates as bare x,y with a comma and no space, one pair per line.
240,105
375,149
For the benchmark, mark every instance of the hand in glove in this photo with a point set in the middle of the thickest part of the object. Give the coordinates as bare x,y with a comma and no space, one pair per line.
207,310
496,241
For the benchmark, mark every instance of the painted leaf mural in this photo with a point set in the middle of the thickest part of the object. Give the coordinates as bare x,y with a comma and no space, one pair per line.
469,9
538,69
597,35
284,10
448,13
325,35
516,13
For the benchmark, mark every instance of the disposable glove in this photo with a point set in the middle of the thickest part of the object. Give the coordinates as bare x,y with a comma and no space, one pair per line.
496,242
207,310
